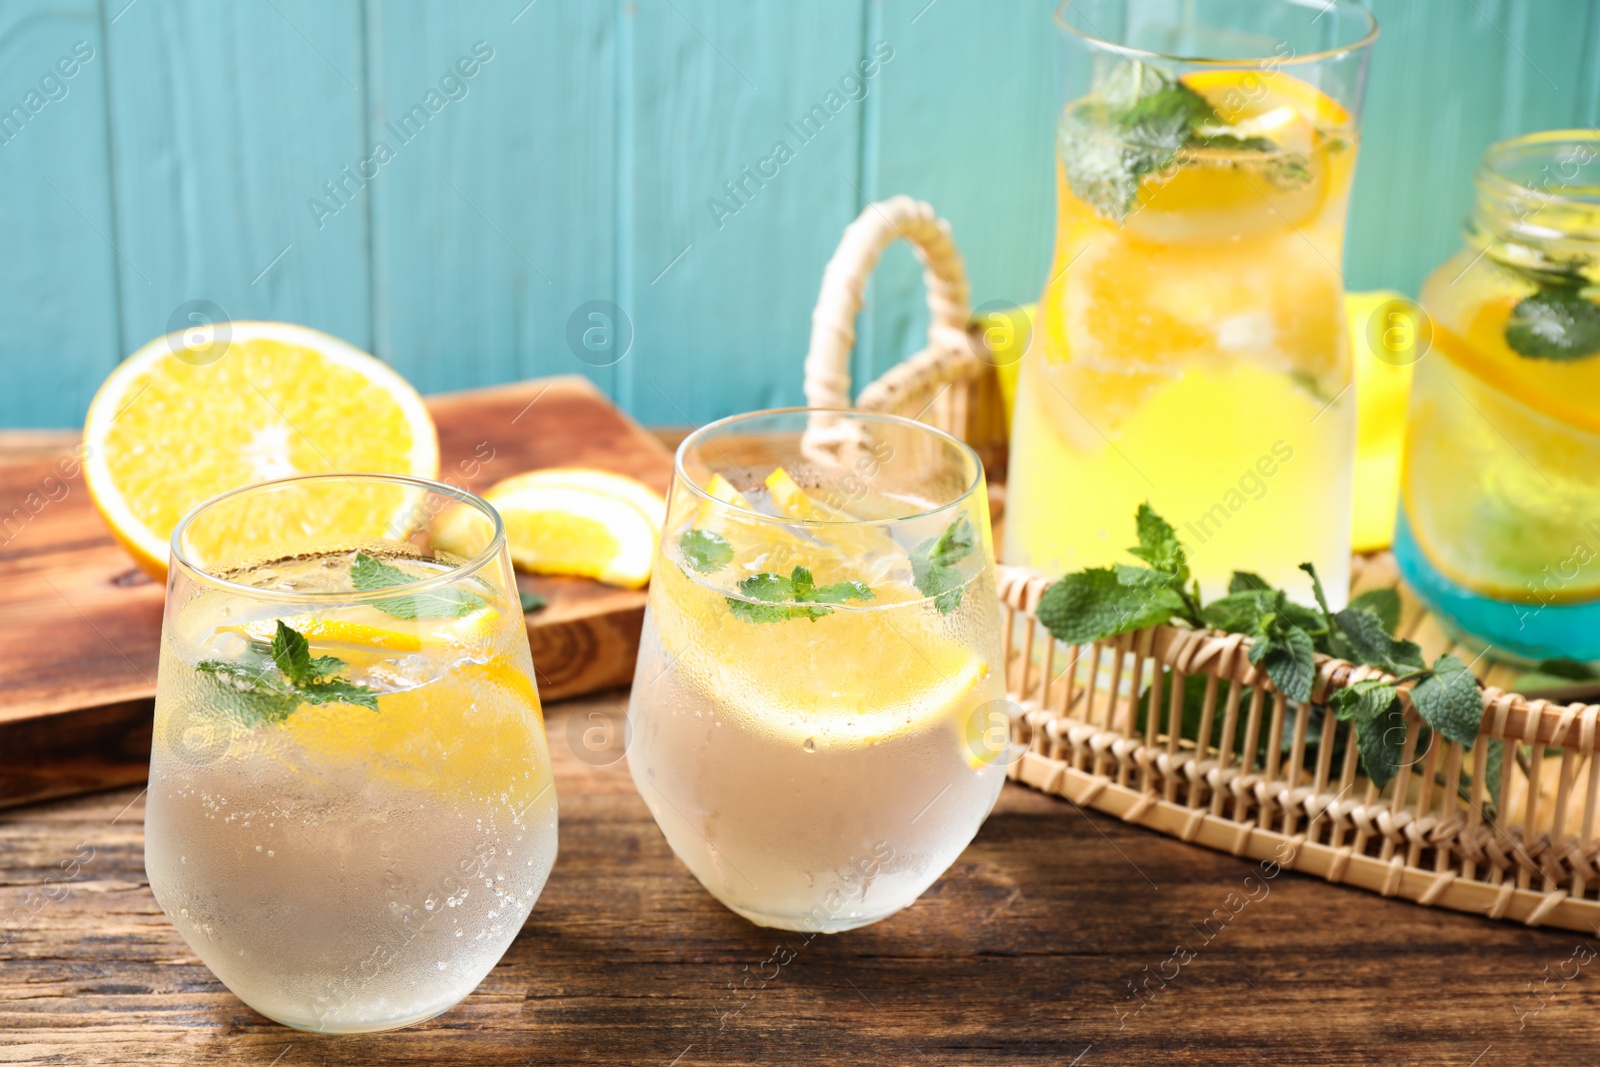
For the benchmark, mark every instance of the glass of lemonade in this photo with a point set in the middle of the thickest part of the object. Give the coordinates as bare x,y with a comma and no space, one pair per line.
818,719
1191,347
1499,529
351,809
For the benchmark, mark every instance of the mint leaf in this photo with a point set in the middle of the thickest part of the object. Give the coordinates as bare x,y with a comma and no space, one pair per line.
1237,613
952,546
705,550
339,691
1372,644
254,693
775,598
1286,653
1135,124
1159,546
1382,743
1248,581
292,653
934,565
370,574
1448,700
839,592
1092,604
532,602
1384,603
1363,701
1570,669
1557,323
268,688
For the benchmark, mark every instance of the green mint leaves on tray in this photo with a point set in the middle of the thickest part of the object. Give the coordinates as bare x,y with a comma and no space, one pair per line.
1286,636
705,550
1138,122
532,602
370,574
934,565
267,688
1557,323
775,598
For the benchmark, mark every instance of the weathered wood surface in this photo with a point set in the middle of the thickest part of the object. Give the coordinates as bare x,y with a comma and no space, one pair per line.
80,625
1022,953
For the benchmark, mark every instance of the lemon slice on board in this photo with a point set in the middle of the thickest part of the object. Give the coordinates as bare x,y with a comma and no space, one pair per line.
578,521
185,418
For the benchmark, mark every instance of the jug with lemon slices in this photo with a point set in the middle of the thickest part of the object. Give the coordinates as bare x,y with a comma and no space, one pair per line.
1190,347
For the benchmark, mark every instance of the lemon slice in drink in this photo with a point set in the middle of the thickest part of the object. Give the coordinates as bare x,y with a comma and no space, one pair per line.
342,636
461,736
850,678
185,418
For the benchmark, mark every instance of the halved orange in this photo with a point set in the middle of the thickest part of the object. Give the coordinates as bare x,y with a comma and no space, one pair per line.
187,417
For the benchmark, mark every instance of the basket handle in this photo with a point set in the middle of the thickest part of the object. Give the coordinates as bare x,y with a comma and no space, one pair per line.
833,323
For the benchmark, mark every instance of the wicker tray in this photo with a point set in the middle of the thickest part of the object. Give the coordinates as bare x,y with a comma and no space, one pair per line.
1268,787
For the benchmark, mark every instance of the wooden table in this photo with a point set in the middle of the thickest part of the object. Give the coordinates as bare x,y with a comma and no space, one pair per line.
1028,950
1023,952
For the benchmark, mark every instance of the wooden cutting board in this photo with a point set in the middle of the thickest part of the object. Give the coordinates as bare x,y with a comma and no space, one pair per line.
80,625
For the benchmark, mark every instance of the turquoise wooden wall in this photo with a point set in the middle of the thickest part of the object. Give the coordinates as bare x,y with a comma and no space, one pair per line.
180,160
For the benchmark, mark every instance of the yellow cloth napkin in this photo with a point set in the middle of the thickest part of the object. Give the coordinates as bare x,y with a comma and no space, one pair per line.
1382,389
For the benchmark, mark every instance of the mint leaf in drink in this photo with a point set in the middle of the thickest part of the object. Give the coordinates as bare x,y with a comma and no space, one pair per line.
705,550
292,653
370,574
934,563
268,688
1135,124
1448,700
1556,323
532,602
255,694
776,598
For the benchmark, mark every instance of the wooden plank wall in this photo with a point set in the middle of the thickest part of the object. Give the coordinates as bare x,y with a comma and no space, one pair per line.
565,207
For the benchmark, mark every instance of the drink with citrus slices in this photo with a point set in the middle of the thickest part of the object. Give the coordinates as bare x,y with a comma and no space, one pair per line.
1190,348
351,809
818,719
1499,531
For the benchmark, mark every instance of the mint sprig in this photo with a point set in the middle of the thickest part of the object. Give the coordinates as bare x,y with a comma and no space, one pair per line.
1286,637
268,687
1139,121
776,598
934,565
370,574
1556,323
705,550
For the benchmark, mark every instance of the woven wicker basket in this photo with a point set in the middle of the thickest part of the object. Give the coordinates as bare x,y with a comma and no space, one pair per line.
1267,786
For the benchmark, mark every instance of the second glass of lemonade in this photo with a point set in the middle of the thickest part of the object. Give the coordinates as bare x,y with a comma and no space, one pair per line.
818,719
1191,347
351,806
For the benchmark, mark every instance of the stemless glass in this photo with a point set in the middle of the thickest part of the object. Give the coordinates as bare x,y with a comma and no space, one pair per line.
351,809
1191,349
818,714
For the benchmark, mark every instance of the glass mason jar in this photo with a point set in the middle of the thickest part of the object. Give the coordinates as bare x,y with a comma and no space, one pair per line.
1190,347
351,809
1499,529
818,718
